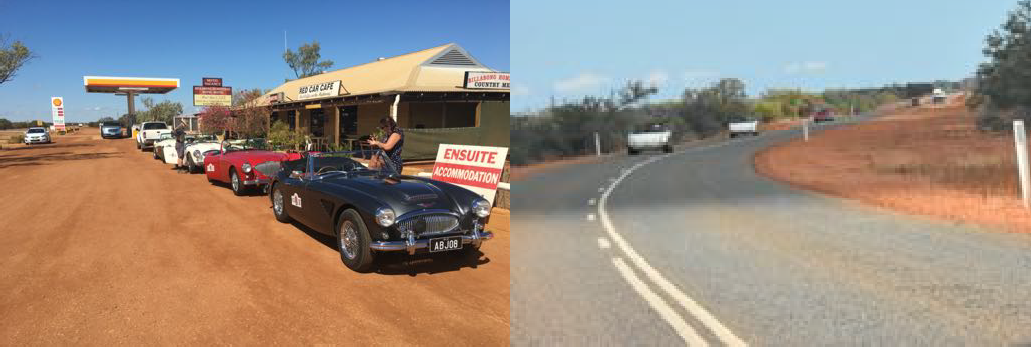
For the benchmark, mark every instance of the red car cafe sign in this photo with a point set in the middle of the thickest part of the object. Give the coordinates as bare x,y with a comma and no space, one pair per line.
477,168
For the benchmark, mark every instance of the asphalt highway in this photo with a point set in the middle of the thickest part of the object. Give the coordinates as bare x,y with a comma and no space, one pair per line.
695,248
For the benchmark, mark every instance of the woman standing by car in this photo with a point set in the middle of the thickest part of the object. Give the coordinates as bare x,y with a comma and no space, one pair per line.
392,143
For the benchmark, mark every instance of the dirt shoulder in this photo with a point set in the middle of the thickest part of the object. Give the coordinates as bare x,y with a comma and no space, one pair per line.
928,161
102,245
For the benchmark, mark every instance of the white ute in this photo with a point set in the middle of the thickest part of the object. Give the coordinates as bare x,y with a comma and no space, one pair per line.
149,133
743,126
651,136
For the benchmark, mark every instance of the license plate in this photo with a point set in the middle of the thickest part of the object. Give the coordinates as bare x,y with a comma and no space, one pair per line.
445,244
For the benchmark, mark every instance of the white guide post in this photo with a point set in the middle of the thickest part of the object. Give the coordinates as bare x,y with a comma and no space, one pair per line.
1020,139
805,129
597,143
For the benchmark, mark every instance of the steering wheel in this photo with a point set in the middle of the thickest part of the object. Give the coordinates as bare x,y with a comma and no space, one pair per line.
324,168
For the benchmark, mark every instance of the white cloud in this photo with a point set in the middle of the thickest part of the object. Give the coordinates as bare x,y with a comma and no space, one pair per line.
582,82
658,77
520,90
808,67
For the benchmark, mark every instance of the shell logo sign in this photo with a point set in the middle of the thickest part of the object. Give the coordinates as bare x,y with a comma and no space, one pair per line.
58,112
57,102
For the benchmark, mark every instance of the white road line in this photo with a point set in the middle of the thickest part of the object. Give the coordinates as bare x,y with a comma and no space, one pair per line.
601,190
686,302
603,243
590,216
675,321
592,202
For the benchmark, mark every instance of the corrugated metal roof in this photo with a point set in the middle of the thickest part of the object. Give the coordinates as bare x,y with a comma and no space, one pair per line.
438,69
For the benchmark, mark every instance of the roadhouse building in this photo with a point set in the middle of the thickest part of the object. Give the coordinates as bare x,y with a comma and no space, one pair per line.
438,95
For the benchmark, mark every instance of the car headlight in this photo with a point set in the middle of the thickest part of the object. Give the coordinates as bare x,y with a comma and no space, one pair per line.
246,168
385,216
481,208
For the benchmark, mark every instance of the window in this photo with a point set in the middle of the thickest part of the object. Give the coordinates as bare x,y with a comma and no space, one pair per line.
442,115
36,131
154,126
318,123
349,120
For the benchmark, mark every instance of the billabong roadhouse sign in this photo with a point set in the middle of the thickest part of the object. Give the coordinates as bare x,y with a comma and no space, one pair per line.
212,96
57,109
486,80
319,90
477,168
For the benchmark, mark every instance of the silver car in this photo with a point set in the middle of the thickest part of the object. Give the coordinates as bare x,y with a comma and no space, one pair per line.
37,135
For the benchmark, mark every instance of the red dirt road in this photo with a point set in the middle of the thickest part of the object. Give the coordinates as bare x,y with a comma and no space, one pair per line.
100,244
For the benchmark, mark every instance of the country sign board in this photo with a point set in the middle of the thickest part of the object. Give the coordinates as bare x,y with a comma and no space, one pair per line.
212,96
477,168
319,90
57,109
486,80
211,82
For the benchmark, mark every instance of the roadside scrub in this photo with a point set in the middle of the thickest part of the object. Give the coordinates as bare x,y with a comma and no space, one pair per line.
930,161
18,138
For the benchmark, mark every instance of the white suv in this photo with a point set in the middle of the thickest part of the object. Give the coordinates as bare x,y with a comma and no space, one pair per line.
37,135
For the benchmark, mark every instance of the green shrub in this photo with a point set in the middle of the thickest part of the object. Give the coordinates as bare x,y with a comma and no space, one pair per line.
281,137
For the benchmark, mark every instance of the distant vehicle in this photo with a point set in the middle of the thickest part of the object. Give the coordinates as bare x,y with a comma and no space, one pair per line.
371,209
110,130
237,163
653,136
37,135
824,115
743,126
149,133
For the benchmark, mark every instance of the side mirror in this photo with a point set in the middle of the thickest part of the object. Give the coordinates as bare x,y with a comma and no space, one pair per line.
296,174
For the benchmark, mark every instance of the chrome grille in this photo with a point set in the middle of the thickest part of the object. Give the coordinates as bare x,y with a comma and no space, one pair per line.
429,225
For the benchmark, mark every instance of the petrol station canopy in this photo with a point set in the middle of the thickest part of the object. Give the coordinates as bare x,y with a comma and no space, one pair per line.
137,85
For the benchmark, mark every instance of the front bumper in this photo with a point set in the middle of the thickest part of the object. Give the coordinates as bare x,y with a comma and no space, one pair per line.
412,244
256,182
37,139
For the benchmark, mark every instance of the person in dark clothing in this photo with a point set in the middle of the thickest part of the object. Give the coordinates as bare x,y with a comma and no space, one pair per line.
180,146
392,143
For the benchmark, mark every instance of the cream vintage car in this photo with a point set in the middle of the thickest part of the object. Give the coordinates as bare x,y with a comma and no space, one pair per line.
165,149
195,152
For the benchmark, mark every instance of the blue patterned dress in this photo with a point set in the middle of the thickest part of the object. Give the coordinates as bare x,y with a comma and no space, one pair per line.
394,154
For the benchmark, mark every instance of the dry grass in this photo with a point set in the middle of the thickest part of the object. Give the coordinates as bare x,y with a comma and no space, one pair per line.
927,160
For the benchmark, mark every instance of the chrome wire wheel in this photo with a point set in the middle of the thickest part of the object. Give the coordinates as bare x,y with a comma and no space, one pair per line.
236,182
348,240
277,202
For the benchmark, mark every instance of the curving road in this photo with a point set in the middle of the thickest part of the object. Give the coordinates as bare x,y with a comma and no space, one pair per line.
696,248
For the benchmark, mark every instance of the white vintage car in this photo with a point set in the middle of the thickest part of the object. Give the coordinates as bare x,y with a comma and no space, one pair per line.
195,152
165,149
164,140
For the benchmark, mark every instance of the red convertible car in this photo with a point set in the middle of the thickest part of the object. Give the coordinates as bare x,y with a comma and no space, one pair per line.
244,164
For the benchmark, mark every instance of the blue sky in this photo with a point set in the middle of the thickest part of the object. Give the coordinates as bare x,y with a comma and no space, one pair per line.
568,49
240,41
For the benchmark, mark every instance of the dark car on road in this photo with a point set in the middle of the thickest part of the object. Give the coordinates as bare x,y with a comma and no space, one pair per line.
111,130
360,199
824,115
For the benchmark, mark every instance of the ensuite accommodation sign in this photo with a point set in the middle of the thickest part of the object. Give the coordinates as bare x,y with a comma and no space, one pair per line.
477,168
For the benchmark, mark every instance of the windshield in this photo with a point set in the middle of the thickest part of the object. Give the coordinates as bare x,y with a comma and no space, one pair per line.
154,126
36,130
111,124
200,138
247,144
652,127
360,162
